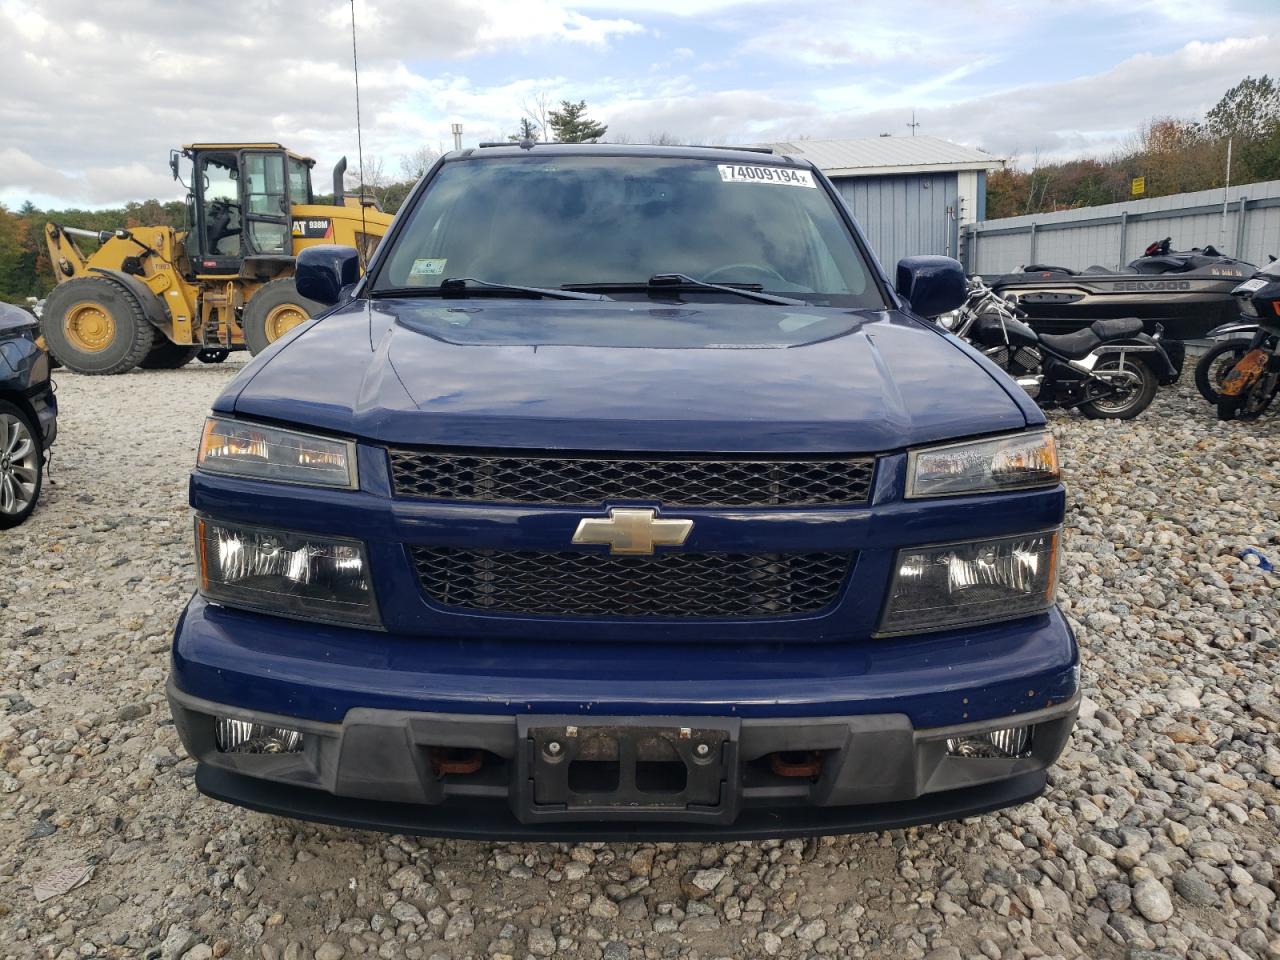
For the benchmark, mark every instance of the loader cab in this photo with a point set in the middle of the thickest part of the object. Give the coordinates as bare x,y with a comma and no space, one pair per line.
239,205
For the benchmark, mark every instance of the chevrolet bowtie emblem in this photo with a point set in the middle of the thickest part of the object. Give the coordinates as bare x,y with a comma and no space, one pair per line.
632,531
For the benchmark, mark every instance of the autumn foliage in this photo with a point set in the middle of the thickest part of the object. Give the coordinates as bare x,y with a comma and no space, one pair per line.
1172,155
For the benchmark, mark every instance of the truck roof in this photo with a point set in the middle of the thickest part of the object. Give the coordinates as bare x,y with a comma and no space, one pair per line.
752,155
186,147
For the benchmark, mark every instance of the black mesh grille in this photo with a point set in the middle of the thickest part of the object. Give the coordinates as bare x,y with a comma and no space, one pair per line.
587,479
572,583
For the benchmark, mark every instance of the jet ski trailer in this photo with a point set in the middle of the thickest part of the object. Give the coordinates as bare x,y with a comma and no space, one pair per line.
1187,292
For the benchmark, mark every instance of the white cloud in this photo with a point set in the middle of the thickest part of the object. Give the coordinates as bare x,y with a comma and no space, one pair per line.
671,8
861,35
727,116
92,185
1097,114
1093,114
106,95
93,101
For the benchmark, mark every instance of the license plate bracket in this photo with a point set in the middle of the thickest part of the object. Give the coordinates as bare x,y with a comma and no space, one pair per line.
650,768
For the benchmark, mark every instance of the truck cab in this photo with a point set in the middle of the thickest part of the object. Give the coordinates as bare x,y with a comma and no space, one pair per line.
624,495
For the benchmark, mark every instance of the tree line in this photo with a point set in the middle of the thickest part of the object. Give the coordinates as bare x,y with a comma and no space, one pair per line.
25,270
1170,154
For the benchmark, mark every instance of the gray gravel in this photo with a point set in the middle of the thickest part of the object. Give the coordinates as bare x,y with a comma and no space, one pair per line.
1160,836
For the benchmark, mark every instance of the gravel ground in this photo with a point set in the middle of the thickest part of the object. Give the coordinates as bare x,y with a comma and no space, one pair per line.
1159,837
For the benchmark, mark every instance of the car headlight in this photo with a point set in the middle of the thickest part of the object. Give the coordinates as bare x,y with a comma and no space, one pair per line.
977,581
291,574
241,449
982,466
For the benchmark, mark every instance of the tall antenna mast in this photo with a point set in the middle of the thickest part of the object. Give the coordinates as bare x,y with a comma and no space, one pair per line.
355,67
912,124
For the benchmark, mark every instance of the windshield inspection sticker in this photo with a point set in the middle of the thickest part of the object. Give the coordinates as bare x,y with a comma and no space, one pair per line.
786,176
427,268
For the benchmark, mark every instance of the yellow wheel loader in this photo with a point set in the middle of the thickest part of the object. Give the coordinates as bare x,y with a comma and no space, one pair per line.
156,297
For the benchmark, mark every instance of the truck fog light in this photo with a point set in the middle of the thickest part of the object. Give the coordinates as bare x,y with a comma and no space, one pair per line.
1007,744
241,736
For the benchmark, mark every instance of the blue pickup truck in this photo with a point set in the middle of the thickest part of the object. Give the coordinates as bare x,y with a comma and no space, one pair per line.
624,496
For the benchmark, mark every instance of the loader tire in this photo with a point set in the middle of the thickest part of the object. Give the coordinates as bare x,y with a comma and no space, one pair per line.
273,311
167,355
95,327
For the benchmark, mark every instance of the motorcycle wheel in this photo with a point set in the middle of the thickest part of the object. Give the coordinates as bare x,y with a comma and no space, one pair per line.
1252,404
1216,364
1128,403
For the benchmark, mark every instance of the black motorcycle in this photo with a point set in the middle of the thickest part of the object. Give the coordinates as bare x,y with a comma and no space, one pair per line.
1109,369
1253,382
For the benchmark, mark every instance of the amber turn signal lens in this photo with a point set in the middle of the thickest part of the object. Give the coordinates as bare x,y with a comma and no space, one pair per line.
1011,462
256,451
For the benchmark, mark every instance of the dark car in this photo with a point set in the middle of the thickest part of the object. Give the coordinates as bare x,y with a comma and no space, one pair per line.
624,495
28,414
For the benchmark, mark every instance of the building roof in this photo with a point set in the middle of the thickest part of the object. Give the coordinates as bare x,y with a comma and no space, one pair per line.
880,155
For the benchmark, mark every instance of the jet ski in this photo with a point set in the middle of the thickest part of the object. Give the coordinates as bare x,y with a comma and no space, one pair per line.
1186,292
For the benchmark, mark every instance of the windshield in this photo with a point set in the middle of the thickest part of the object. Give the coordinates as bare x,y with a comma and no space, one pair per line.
563,220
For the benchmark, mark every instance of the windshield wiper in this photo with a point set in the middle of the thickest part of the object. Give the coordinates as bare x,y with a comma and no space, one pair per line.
681,281
462,286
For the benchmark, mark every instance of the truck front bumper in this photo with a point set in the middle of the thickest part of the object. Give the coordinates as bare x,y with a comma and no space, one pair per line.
858,746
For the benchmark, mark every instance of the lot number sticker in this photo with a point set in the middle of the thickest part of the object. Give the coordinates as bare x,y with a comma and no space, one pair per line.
785,176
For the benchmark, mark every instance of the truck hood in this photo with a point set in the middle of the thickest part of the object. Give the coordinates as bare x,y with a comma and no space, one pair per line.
628,376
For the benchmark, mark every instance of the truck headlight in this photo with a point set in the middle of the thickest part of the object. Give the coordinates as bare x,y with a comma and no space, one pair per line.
290,574
982,466
976,581
241,449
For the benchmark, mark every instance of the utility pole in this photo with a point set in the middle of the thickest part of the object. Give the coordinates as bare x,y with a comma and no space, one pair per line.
913,123
457,136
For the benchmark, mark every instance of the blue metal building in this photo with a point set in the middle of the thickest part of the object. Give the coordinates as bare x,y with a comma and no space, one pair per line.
912,195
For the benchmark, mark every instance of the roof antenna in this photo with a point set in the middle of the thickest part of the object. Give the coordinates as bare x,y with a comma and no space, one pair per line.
355,66
912,124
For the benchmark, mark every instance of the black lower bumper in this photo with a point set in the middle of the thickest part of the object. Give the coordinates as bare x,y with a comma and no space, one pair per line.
496,776
492,820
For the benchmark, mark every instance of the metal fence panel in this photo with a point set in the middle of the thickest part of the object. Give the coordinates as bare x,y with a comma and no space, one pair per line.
1114,234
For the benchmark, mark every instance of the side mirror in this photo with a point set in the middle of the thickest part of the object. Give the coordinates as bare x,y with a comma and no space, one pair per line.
932,285
173,163
323,271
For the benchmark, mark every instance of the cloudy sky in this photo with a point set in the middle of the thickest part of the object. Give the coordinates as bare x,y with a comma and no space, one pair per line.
93,94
